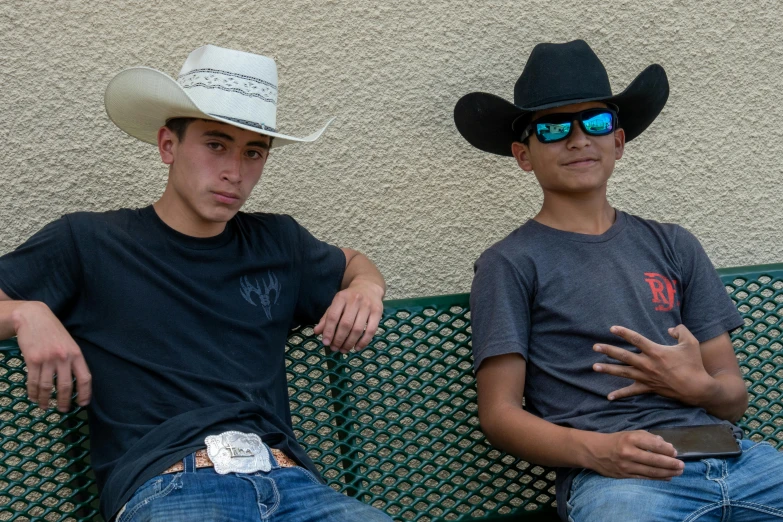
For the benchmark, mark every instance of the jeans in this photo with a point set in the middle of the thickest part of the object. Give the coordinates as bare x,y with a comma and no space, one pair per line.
281,494
749,487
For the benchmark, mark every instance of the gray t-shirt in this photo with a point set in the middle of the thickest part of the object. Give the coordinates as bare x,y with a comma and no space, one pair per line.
550,295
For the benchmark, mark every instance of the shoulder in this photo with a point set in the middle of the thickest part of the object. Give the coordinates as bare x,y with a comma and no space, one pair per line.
516,249
680,245
515,257
80,222
659,227
669,233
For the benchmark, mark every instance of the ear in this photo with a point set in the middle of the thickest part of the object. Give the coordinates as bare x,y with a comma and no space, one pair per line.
167,142
619,143
522,154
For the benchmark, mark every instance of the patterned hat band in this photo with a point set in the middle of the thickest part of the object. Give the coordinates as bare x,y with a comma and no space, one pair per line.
228,86
259,126
229,82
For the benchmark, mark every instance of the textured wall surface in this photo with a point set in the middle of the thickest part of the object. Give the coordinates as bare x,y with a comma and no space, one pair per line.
392,177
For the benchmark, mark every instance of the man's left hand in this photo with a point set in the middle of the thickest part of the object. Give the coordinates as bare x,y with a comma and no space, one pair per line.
675,371
351,321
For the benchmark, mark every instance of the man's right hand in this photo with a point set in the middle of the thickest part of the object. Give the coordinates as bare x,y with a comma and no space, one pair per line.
507,426
50,352
633,454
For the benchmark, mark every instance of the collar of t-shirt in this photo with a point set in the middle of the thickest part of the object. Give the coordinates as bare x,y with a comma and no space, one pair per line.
616,228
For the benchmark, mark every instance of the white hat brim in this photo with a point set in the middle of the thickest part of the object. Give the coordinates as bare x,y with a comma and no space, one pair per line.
140,100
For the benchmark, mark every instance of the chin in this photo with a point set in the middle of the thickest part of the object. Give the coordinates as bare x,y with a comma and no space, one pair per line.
586,183
576,185
219,215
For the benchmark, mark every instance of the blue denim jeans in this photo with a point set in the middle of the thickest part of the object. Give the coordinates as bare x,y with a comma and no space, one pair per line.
282,494
746,488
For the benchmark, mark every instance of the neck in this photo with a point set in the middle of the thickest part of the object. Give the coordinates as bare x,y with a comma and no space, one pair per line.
183,218
588,213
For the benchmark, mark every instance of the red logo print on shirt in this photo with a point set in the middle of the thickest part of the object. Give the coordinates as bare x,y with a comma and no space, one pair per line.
664,291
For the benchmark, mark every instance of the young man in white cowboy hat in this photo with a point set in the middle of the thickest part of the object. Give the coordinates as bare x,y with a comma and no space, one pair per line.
173,318
581,287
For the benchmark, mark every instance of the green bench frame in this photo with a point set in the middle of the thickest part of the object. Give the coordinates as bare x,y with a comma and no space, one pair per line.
395,425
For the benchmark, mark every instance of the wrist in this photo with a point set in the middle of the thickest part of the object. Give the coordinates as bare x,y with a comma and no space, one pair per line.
584,444
25,313
376,289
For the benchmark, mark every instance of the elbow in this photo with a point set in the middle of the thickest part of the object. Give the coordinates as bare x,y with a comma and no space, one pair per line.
493,441
729,397
490,428
489,434
736,408
740,401
742,407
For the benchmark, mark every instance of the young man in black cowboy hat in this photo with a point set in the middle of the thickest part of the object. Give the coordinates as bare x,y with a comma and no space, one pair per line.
610,325
181,309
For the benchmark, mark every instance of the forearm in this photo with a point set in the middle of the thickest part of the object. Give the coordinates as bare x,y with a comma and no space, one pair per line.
526,436
501,382
724,396
360,270
49,351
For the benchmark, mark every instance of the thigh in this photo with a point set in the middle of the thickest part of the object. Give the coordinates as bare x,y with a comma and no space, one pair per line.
203,495
157,488
303,498
594,497
754,483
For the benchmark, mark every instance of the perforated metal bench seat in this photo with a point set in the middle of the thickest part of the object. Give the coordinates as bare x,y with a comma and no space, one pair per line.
395,426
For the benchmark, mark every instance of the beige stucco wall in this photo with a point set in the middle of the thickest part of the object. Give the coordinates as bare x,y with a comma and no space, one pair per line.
392,177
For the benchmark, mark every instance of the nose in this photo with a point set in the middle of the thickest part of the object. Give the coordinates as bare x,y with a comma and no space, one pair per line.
578,139
231,171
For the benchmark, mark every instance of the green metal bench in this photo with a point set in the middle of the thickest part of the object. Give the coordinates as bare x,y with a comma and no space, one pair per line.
394,426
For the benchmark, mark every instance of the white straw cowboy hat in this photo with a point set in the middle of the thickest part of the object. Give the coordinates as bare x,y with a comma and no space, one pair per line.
218,84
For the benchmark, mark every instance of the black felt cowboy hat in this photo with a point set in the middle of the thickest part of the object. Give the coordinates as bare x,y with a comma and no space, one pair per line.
557,75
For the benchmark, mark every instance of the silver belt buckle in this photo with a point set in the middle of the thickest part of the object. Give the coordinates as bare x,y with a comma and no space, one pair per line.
237,452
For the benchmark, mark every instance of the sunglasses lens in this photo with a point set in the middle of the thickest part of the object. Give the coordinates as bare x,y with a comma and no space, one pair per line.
549,132
598,124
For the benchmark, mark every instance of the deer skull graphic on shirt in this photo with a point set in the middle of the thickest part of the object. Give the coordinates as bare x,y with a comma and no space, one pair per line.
247,290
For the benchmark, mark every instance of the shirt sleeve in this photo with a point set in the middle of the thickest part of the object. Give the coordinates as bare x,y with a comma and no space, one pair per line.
706,308
45,268
321,268
499,309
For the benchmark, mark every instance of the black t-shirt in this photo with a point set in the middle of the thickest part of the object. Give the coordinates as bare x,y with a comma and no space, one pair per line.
184,336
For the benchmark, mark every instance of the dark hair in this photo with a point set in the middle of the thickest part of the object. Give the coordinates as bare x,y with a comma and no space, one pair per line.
179,125
520,124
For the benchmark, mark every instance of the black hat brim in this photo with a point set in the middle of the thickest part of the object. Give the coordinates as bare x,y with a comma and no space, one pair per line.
485,120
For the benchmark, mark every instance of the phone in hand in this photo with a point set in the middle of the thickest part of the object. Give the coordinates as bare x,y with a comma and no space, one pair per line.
701,442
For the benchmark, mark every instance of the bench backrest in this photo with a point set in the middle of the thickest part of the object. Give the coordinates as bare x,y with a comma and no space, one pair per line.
395,425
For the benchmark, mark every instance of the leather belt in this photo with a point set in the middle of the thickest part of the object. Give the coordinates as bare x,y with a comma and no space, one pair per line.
203,461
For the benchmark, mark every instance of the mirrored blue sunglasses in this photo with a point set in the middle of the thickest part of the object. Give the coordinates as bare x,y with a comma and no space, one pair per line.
558,126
